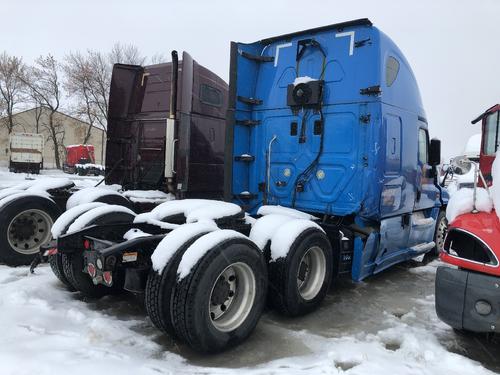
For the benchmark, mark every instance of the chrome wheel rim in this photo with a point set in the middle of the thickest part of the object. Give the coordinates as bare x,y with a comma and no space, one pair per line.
28,230
311,273
232,297
441,234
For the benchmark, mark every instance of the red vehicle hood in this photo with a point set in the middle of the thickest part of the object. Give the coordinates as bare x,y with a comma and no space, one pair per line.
486,227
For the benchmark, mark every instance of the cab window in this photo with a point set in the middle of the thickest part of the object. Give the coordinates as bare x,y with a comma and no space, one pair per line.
391,70
490,143
210,95
423,146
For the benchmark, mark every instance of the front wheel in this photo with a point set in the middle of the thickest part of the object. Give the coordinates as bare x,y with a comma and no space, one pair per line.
440,234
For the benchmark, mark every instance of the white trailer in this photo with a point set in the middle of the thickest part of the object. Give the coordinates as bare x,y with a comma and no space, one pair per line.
26,152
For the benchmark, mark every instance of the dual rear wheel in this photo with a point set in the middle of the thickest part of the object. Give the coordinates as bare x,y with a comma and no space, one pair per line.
220,301
218,304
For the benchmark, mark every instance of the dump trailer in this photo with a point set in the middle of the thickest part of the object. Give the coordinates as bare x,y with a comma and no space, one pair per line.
329,172
467,289
154,152
26,152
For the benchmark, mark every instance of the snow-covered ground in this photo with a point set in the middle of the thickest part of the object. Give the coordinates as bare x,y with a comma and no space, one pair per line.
385,325
8,179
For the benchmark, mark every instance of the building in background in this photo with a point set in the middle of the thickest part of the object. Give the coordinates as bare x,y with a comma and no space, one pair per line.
68,130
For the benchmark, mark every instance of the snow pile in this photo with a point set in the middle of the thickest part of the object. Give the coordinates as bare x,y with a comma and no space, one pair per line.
304,79
462,202
201,246
90,166
45,184
85,219
135,233
148,196
283,239
280,210
88,195
9,191
193,209
47,330
175,239
69,216
264,228
15,196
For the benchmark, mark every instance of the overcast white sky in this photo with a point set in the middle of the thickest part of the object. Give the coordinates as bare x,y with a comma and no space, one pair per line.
452,45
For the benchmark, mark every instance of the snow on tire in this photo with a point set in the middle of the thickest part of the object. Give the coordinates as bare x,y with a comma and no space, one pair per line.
219,300
301,268
160,290
25,226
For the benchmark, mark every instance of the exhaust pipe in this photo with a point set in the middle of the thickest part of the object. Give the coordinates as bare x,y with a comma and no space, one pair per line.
171,125
173,85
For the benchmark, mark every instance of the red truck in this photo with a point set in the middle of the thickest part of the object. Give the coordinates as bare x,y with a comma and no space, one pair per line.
81,159
468,295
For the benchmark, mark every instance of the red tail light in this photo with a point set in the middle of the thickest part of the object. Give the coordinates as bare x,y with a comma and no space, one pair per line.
52,251
86,244
107,277
91,270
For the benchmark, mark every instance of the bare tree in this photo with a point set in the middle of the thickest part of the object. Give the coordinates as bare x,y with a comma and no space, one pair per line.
158,58
79,86
11,87
126,54
43,80
88,81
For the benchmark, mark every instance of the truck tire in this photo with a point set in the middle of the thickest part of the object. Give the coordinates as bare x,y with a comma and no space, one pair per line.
73,264
440,233
160,290
232,274
299,282
80,281
25,226
56,264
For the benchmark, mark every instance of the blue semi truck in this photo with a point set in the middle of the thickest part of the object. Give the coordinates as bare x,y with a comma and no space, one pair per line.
329,172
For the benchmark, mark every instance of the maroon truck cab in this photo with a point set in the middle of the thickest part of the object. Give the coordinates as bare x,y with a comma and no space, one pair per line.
140,154
468,297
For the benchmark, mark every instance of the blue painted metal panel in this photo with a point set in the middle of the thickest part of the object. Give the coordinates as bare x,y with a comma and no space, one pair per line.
369,165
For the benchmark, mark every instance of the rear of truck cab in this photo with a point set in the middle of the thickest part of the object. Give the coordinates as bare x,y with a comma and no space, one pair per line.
184,157
360,159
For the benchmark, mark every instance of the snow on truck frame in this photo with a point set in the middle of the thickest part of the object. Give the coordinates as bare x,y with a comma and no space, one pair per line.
327,151
137,154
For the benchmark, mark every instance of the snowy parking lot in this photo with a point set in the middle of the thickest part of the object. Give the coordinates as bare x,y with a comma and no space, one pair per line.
385,325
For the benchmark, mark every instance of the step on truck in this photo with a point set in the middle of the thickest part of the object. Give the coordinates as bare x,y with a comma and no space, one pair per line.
329,172
154,152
